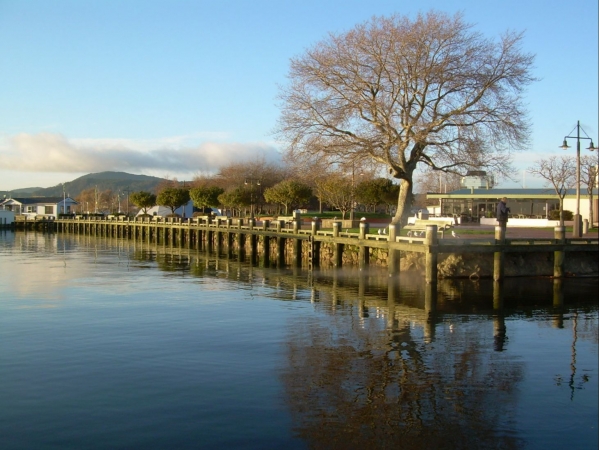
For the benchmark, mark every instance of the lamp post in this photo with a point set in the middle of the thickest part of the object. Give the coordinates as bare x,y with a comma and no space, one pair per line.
128,192
251,185
577,232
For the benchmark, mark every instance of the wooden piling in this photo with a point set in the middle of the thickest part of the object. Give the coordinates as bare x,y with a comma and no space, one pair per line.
431,242
498,257
559,255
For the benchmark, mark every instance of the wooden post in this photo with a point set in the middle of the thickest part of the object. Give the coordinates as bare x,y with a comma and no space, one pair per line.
393,255
363,250
266,249
229,237
499,257
338,252
253,243
431,243
314,255
559,255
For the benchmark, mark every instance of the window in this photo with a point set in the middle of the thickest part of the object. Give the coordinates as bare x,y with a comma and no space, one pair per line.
48,209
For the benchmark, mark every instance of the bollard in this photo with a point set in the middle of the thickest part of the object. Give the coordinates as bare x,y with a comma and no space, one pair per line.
364,228
336,228
315,226
585,226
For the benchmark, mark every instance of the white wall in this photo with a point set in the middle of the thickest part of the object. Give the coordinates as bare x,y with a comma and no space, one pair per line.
6,217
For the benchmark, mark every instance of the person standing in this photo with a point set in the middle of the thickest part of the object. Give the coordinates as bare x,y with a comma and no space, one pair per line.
502,212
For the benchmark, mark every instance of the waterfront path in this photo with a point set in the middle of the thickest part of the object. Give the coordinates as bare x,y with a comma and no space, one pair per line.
480,231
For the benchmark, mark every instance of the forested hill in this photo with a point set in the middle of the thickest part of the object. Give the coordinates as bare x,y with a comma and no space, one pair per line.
115,181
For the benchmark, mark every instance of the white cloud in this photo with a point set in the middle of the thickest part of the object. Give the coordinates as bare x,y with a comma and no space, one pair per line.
178,155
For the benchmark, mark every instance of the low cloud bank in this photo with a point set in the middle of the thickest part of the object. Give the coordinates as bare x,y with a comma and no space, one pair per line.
49,152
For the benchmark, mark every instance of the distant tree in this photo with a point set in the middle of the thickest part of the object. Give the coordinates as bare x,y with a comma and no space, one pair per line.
430,180
289,193
237,173
337,191
405,92
372,193
558,172
205,196
106,201
173,198
389,197
143,200
588,175
87,200
234,199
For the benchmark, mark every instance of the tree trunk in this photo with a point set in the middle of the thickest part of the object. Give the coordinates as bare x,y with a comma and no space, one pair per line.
403,202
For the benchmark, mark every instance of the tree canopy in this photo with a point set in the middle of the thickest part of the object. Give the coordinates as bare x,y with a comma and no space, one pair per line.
289,193
173,198
205,196
143,200
404,92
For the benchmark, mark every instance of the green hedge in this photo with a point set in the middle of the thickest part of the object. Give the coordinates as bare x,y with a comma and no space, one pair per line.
554,214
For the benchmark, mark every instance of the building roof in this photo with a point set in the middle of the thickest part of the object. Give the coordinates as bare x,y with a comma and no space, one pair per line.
509,193
37,200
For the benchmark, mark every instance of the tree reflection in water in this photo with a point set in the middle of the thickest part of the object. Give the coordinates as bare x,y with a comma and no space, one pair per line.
352,383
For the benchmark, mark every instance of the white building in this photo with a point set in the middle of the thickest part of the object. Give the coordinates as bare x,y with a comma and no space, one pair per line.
48,207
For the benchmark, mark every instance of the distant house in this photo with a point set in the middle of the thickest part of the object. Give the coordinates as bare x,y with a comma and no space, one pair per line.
49,207
162,211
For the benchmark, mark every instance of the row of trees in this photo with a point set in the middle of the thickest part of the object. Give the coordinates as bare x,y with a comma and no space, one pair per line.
270,190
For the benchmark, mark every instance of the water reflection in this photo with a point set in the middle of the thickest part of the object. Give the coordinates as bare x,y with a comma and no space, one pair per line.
379,361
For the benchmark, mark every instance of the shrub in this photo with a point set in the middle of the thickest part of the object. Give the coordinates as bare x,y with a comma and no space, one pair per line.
554,214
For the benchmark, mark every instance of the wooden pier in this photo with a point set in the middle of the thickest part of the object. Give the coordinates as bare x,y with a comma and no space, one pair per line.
281,242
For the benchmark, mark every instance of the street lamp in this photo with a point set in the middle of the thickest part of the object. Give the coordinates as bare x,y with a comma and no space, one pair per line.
251,183
565,146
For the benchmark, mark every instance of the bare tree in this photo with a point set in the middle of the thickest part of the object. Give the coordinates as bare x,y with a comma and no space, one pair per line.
437,181
588,174
403,92
558,172
337,191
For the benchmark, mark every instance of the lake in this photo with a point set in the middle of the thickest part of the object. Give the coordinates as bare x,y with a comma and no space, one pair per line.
109,343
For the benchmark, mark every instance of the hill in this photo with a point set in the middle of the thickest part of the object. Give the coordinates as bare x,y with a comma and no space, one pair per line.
115,181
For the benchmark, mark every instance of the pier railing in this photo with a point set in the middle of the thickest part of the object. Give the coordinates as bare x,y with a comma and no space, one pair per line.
224,231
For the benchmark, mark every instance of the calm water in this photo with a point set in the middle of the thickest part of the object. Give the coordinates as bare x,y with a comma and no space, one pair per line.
109,344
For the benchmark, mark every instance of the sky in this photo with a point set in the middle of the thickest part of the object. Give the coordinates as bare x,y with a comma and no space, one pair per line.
175,88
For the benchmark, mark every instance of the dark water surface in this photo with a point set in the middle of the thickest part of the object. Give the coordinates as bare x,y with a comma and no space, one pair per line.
107,343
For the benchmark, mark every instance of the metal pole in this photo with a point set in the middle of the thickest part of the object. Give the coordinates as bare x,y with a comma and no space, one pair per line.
577,219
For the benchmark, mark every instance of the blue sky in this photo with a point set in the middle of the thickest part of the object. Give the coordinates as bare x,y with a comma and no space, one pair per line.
176,88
